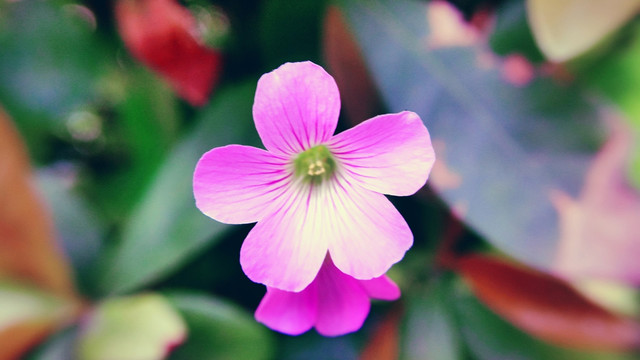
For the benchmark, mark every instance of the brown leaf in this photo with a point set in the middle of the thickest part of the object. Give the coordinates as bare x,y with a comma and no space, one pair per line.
28,251
546,306
344,60
163,35
18,339
600,231
384,343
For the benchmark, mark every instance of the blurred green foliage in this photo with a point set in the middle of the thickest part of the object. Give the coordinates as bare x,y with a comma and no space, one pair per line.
115,151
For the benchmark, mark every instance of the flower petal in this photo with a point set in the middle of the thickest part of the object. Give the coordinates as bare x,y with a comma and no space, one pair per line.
390,154
368,235
289,312
381,288
238,184
285,250
296,106
361,229
343,305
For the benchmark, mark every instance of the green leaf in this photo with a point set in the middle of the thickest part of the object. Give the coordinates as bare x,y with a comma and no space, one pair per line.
430,331
166,228
618,78
136,142
508,146
313,346
50,60
290,31
219,331
511,33
136,327
78,229
58,346
491,338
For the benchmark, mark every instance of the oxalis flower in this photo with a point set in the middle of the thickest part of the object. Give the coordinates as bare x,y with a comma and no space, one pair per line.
334,303
312,193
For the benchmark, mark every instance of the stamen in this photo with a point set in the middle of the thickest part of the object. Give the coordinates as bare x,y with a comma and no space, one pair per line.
315,164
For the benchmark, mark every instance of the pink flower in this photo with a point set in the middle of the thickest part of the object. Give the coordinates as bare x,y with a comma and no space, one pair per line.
311,192
334,303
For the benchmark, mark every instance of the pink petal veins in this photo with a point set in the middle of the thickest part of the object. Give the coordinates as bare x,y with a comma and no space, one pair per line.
285,250
238,184
301,220
368,234
390,154
362,230
296,107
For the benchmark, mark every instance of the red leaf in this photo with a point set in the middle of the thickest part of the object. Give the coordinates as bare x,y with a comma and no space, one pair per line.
28,254
28,251
600,231
384,343
163,35
344,59
546,306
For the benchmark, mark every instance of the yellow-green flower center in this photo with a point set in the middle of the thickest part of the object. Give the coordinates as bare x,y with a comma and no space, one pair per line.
315,164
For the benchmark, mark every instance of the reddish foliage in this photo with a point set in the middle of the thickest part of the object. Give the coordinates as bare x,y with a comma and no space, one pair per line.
16,340
344,59
546,306
28,251
163,35
384,343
